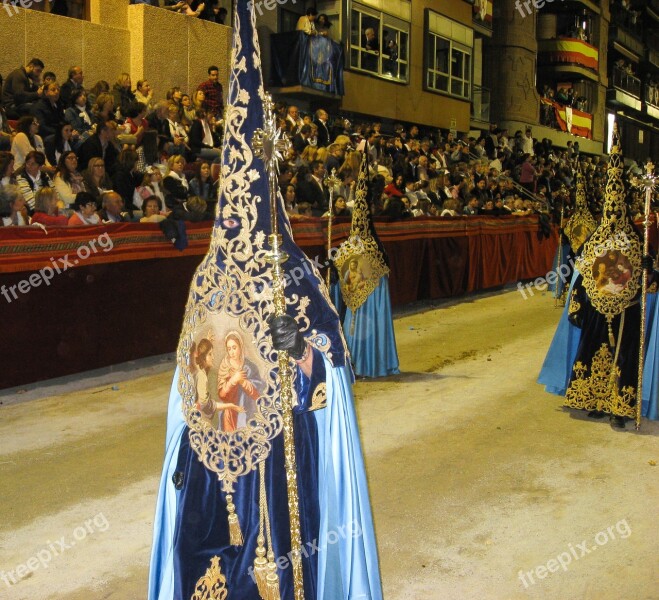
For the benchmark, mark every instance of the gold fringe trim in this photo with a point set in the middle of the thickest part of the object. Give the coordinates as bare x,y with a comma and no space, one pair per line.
235,533
261,567
272,579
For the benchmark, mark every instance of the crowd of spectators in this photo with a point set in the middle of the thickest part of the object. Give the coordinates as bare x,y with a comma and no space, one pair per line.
208,10
73,155
64,145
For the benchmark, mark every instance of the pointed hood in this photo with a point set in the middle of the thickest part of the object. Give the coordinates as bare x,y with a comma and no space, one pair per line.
235,265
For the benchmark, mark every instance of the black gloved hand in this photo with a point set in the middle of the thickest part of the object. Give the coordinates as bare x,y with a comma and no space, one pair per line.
286,336
647,263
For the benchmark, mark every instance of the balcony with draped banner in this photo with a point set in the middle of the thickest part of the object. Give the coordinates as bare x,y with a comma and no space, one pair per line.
568,52
305,63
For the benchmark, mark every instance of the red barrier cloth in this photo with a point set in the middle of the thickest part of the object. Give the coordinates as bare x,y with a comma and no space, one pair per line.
127,303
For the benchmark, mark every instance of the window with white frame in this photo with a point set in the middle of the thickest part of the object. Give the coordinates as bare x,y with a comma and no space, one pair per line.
449,47
379,41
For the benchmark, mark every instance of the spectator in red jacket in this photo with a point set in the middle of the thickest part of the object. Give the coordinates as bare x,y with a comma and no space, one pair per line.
45,209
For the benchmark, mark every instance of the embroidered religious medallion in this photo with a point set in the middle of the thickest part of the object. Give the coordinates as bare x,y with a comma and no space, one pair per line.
358,260
581,224
611,259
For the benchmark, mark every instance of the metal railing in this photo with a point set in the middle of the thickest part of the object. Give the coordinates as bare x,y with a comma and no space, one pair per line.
480,103
626,82
651,94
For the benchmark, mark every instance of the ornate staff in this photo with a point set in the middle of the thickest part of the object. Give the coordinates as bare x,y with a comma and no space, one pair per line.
267,143
559,256
648,183
330,182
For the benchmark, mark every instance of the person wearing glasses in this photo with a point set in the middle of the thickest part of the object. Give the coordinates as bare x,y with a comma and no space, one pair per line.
96,180
85,211
68,181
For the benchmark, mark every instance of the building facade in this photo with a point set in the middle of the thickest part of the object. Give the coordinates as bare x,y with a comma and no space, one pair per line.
566,69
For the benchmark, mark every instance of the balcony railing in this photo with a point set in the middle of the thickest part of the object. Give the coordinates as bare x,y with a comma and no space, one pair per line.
626,82
651,95
480,104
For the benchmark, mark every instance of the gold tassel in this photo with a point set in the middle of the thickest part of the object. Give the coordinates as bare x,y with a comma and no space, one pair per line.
235,534
272,579
261,567
612,340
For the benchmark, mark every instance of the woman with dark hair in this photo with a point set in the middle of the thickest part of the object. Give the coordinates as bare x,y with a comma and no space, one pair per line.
79,117
61,143
7,169
27,140
290,200
339,208
323,25
31,177
45,209
85,211
151,208
68,181
210,11
136,123
395,187
202,183
127,178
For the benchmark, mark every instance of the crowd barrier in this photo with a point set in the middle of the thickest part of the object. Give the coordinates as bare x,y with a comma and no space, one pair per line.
76,299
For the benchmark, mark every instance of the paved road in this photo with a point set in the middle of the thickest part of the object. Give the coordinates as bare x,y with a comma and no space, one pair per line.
476,475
